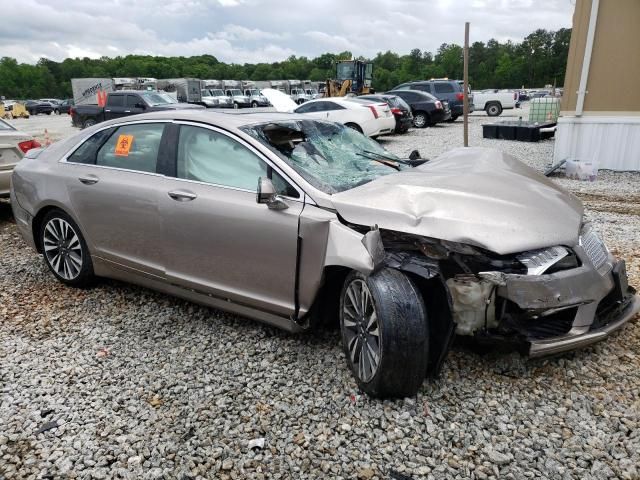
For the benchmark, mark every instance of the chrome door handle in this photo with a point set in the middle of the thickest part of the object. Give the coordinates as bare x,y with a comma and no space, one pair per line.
127,111
182,195
89,179
107,110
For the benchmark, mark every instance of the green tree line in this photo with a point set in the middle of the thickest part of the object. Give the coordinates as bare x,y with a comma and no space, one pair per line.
538,60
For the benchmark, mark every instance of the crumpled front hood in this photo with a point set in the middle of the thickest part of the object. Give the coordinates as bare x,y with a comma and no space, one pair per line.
476,196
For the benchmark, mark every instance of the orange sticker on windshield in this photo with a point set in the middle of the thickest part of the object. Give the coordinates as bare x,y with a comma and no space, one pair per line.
124,145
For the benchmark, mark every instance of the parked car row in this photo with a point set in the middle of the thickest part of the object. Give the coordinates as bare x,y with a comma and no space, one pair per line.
42,106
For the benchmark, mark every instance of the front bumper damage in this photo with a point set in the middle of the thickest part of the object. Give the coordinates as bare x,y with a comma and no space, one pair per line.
573,298
548,314
568,309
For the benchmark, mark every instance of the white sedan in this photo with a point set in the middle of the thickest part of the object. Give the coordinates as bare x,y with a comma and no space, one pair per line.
370,118
13,145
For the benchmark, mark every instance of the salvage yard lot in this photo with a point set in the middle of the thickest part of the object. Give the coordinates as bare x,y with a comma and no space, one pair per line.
141,385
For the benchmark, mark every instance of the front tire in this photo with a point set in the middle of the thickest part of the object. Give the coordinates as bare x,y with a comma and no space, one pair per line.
65,250
254,104
235,105
385,334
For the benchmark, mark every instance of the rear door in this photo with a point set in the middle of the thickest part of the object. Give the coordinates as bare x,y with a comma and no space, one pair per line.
115,107
113,187
218,240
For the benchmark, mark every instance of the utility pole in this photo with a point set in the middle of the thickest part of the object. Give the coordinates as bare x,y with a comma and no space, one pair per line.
466,85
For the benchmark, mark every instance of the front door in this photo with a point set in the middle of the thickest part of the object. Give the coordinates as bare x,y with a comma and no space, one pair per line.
113,187
219,240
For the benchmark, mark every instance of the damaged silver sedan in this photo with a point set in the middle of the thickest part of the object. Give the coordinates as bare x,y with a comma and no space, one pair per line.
295,222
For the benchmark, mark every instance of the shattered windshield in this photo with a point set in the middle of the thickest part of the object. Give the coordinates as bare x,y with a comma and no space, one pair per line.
329,156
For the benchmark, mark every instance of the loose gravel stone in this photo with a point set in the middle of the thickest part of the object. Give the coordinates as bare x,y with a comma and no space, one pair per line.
142,385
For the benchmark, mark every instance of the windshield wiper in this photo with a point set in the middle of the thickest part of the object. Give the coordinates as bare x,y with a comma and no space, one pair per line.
380,159
412,162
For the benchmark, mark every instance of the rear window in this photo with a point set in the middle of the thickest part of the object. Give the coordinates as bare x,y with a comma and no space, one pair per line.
444,88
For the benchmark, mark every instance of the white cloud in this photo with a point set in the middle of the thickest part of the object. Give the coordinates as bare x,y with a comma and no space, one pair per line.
259,30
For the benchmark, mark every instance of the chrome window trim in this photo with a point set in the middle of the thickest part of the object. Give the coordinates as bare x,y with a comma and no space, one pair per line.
252,149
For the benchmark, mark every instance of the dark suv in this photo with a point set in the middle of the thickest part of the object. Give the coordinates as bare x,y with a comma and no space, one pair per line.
449,90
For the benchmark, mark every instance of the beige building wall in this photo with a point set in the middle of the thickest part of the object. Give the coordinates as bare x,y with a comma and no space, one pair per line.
613,84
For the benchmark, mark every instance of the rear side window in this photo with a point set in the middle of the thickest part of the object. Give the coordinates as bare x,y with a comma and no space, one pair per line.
132,147
115,101
444,88
423,87
86,153
409,96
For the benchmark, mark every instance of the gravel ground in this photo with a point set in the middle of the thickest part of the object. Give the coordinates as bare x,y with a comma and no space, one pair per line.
122,382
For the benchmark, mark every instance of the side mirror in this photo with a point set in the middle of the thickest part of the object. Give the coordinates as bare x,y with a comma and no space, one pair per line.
267,194
140,105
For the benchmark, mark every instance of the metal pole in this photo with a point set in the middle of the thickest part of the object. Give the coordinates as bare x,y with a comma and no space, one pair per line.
466,84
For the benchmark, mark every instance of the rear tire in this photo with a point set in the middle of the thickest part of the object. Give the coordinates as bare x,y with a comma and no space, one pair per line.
65,250
254,104
493,109
236,106
421,119
89,123
354,126
385,333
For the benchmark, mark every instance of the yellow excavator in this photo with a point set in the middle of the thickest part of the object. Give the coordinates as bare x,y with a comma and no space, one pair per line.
352,76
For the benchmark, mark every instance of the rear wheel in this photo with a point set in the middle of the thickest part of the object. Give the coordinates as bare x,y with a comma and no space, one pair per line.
421,119
235,105
90,122
354,126
385,333
254,104
493,109
65,251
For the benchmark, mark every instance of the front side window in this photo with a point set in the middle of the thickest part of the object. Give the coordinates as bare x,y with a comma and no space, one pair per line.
208,156
133,100
115,101
132,147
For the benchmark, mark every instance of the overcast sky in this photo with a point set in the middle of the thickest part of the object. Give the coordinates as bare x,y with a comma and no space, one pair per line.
262,30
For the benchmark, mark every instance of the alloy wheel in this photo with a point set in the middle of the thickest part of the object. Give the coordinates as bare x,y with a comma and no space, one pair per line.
360,327
419,120
62,248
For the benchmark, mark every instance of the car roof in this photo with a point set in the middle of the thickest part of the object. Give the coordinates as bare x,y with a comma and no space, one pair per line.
221,119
